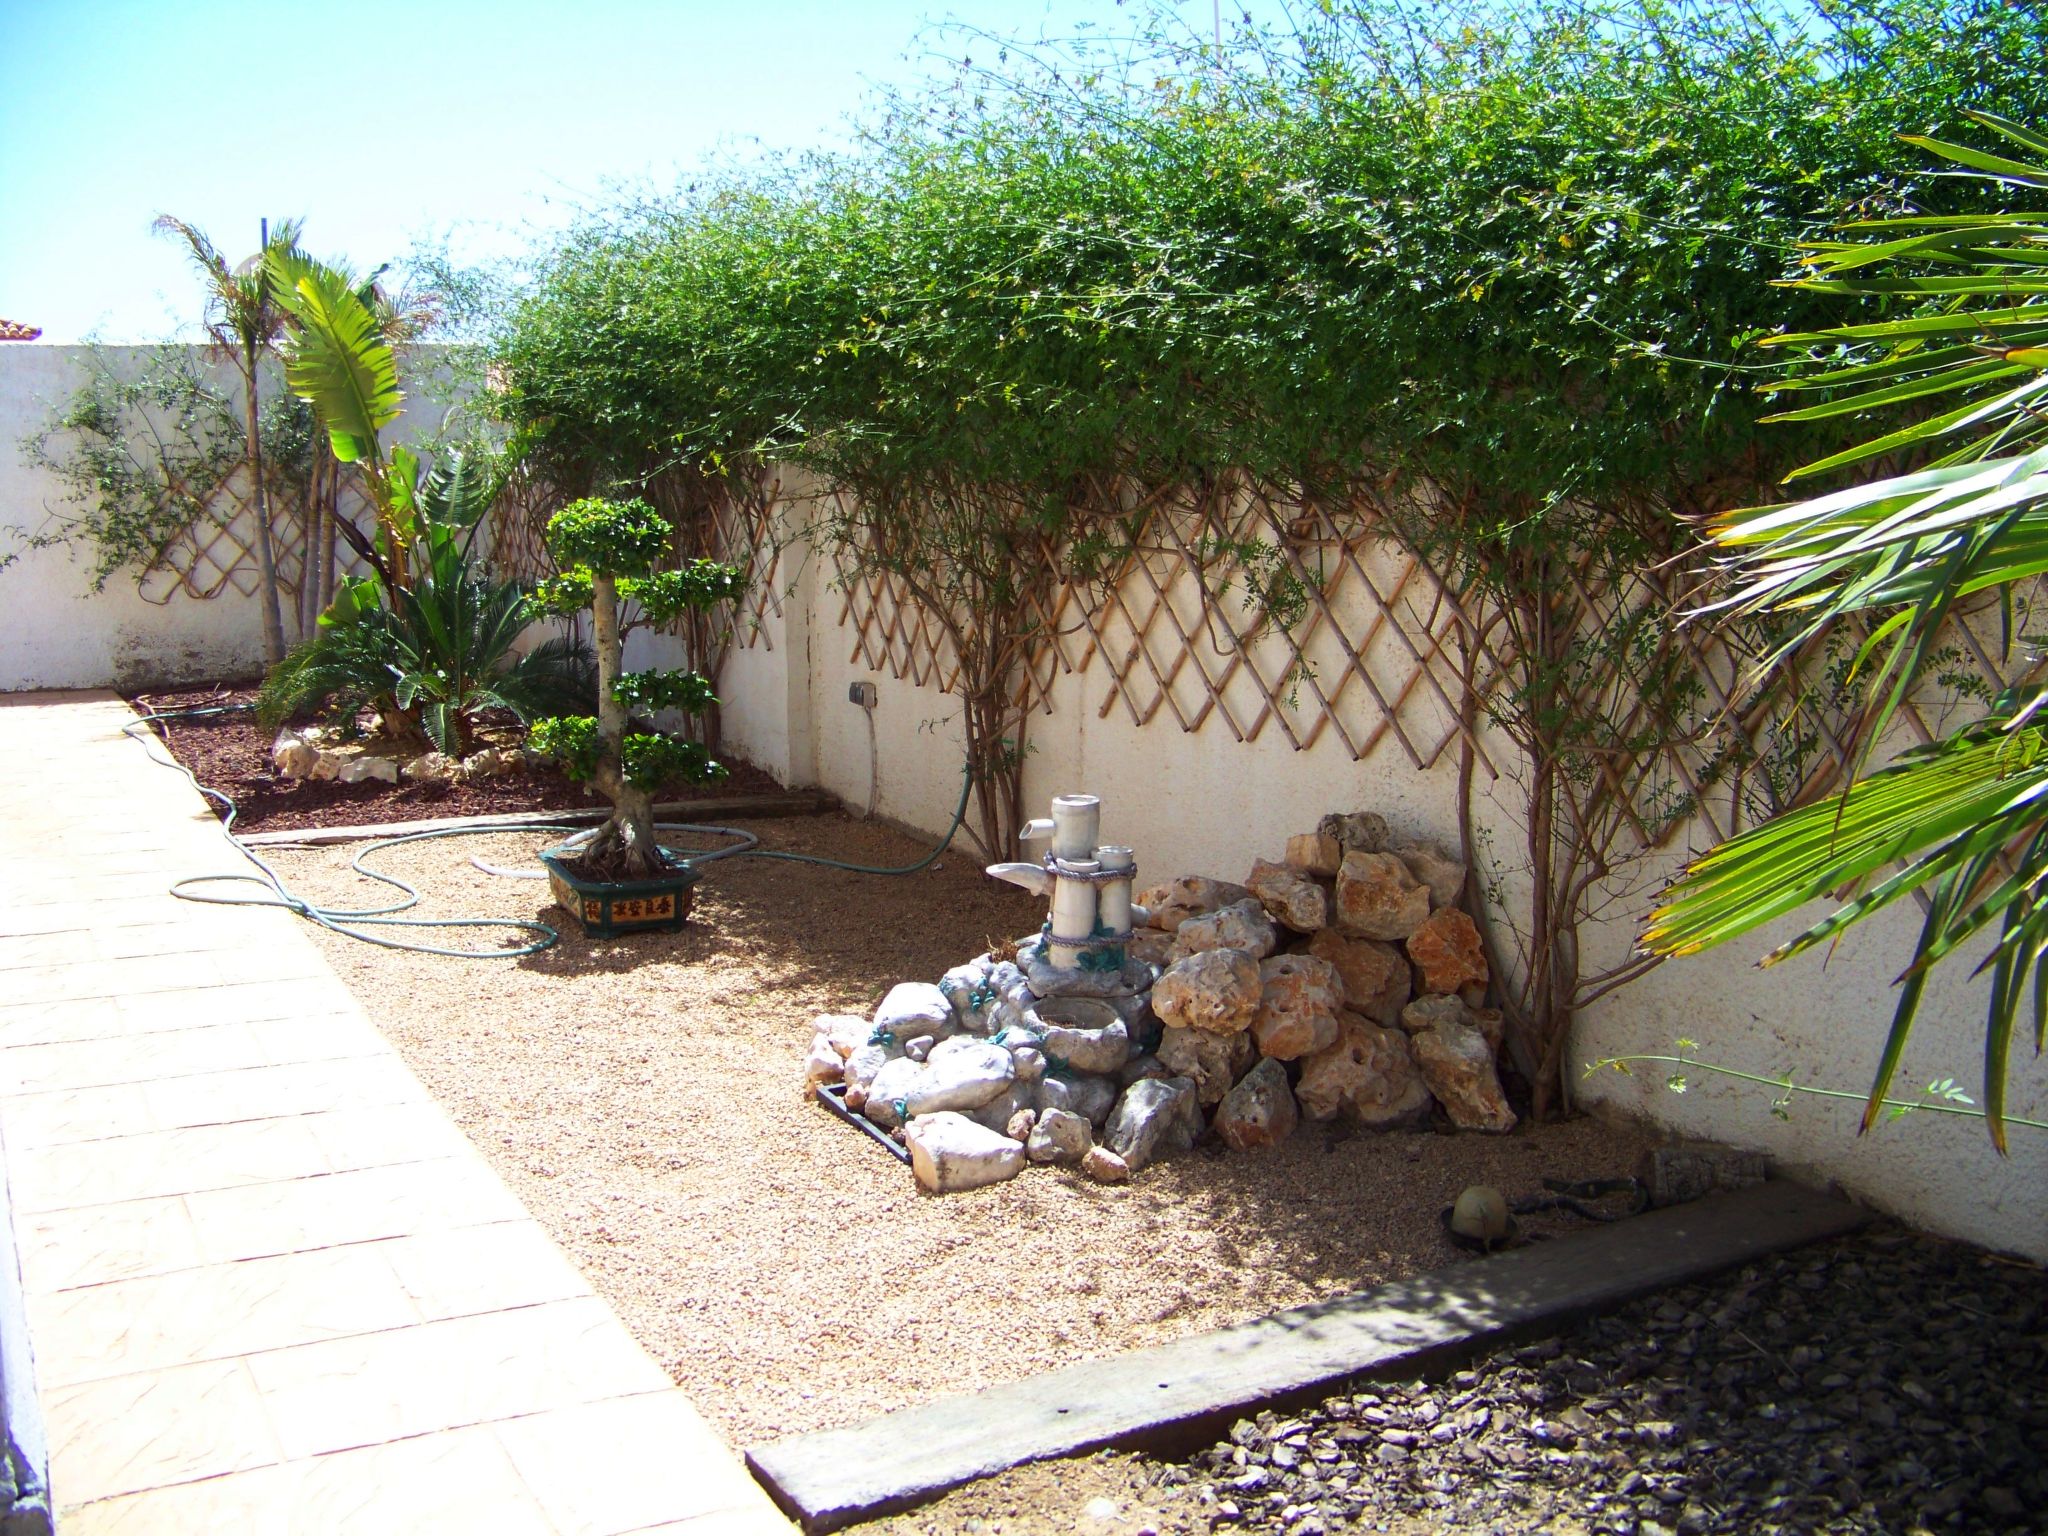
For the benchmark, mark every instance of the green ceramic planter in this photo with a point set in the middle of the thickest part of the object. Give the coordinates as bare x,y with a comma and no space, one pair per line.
610,909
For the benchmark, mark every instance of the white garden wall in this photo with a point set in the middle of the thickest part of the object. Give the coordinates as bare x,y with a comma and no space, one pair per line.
1204,802
55,630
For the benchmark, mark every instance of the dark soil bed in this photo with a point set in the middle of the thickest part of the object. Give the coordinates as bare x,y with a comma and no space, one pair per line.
231,754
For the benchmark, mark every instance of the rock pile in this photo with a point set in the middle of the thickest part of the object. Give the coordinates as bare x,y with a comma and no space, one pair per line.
1345,981
322,752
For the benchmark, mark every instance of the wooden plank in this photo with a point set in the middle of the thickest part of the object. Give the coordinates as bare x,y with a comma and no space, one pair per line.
1174,1396
723,807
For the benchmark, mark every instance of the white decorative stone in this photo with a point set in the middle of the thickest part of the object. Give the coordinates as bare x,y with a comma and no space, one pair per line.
914,1008
823,1064
961,1073
966,988
365,767
949,1152
848,1032
888,1094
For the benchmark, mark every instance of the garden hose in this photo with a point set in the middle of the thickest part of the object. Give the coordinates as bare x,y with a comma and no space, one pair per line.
341,920
346,921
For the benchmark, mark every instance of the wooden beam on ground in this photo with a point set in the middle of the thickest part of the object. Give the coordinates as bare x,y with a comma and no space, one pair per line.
721,808
1175,1396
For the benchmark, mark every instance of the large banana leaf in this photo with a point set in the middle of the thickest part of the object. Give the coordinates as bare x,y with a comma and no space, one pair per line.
337,359
1965,821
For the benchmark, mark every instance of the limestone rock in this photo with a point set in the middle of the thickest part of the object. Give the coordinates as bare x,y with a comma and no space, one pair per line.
1085,1034
1021,1125
1104,1166
1217,990
1444,875
1356,831
1315,853
1290,898
888,1095
961,1073
1377,898
1154,1118
1429,1012
1146,1064
430,768
1376,976
1212,1062
1241,925
293,755
365,768
914,1008
1367,1075
1175,902
949,1152
1260,1111
1299,1000
1030,1062
1460,1071
326,765
1060,1136
491,763
1152,946
1494,1025
1447,951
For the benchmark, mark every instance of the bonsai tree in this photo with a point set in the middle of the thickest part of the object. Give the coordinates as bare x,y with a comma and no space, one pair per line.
609,554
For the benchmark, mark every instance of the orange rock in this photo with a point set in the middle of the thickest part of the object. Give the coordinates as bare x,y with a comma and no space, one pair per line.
1447,951
1377,977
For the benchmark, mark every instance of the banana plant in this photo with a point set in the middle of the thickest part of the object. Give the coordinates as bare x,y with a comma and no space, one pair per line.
1963,358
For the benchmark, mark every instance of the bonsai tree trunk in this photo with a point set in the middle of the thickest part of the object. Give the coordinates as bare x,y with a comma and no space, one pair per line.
629,836
266,556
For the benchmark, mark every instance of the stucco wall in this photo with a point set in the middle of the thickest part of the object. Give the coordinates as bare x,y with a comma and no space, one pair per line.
1203,802
55,630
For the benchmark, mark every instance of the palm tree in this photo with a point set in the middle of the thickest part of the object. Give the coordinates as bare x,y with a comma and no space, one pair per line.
1964,820
242,320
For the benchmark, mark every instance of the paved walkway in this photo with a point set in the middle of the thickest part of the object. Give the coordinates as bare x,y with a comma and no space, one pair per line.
271,1286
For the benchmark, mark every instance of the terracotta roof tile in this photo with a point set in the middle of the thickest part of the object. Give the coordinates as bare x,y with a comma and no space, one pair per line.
13,330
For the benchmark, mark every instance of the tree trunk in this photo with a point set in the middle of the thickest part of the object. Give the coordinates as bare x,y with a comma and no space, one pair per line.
266,555
628,838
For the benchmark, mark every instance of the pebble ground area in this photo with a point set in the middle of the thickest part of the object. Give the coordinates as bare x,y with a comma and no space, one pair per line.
1882,1385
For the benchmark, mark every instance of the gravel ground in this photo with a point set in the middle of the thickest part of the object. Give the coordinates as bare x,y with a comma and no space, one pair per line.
642,1096
1886,1383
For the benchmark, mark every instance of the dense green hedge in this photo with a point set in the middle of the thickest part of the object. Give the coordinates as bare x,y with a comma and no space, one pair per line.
1525,260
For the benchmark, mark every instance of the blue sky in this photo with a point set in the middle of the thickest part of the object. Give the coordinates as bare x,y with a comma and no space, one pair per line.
384,124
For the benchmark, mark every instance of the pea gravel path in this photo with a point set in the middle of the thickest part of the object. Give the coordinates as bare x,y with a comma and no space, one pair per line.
642,1097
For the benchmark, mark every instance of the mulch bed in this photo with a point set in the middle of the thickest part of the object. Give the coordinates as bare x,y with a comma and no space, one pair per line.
230,754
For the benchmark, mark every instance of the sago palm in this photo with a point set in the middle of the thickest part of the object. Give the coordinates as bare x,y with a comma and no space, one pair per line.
1963,820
